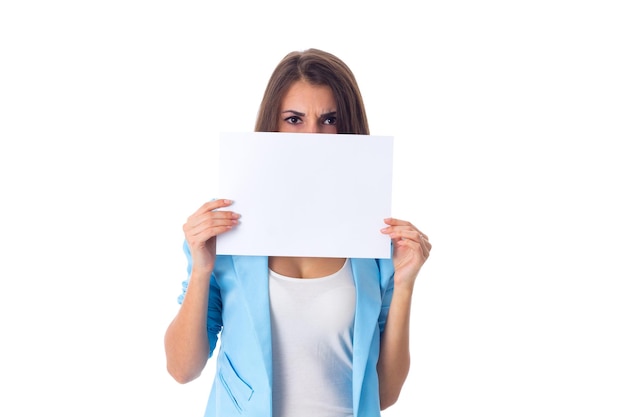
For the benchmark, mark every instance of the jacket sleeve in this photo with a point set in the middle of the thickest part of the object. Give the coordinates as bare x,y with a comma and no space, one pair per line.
386,270
214,312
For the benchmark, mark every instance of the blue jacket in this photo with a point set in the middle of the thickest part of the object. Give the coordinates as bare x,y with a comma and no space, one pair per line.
239,309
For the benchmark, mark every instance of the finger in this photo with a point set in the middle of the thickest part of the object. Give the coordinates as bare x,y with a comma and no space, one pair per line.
214,216
213,222
208,222
399,234
426,247
391,221
422,248
424,240
200,223
202,235
201,216
214,204
409,226
197,237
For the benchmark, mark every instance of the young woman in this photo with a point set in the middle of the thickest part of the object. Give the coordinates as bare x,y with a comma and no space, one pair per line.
298,336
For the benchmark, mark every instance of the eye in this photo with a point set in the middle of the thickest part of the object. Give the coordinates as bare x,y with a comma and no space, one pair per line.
330,120
293,120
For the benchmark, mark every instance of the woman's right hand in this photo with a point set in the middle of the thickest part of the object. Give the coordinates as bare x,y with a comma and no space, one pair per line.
202,227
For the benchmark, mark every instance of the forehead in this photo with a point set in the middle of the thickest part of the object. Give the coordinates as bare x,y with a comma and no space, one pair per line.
303,93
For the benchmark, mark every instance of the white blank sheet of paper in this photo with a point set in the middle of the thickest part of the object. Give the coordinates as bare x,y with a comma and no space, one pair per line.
304,194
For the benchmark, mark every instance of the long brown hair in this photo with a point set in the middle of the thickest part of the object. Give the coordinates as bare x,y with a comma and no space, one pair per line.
318,68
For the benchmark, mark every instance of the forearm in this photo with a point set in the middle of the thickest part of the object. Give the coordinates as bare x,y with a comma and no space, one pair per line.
186,340
394,359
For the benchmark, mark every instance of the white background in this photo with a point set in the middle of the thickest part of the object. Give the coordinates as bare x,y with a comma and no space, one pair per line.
509,127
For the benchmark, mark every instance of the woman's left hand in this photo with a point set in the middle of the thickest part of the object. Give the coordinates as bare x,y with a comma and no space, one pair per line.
411,248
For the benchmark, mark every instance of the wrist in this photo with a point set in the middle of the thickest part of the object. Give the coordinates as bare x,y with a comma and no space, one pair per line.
403,290
201,272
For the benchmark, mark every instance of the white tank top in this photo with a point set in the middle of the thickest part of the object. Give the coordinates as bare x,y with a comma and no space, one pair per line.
312,327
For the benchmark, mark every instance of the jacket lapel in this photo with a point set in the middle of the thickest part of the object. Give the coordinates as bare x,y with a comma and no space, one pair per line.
252,275
368,304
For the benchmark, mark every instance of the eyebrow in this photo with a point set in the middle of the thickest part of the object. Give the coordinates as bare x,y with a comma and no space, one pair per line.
297,113
300,114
